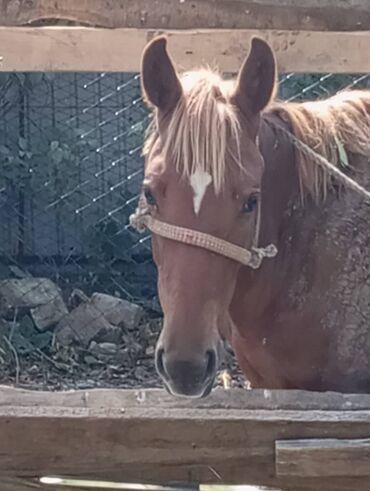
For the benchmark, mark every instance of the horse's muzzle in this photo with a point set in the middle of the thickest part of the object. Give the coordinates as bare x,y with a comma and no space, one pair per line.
193,377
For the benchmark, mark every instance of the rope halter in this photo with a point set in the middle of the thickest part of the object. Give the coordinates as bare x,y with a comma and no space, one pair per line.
142,220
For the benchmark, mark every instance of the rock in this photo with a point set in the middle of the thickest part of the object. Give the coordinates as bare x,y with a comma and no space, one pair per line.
111,335
149,332
49,314
90,360
87,384
103,348
40,295
118,311
140,373
26,292
82,325
135,348
34,370
109,352
150,351
76,297
124,356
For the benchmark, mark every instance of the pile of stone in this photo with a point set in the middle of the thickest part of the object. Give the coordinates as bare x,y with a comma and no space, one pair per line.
99,325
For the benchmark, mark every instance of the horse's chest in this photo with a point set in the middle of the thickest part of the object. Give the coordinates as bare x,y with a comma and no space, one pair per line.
282,350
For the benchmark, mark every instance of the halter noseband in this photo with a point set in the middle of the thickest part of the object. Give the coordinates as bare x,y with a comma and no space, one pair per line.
253,257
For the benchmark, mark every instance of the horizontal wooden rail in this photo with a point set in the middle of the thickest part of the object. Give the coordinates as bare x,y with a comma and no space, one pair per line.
26,484
290,400
130,435
312,15
323,457
89,49
73,484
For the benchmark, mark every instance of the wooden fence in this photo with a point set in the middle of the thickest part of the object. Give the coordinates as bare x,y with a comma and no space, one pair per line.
288,440
307,35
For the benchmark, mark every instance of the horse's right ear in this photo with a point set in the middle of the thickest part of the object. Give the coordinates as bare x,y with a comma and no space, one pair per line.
257,78
161,86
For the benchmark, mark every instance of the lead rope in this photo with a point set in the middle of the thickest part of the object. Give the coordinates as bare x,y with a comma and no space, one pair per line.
258,225
324,163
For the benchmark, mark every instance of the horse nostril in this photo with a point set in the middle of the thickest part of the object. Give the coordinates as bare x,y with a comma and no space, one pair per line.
211,363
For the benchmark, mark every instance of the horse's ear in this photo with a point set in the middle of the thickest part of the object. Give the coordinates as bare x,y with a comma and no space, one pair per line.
256,80
161,86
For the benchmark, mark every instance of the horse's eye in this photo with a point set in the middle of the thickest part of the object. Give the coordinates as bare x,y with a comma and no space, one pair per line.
150,199
250,204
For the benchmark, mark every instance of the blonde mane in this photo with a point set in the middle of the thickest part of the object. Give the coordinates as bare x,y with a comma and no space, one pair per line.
204,123
331,127
201,127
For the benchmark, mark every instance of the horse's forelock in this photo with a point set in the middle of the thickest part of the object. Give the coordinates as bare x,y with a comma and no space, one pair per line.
201,127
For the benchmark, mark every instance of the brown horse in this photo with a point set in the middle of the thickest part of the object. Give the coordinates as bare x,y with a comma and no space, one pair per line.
224,177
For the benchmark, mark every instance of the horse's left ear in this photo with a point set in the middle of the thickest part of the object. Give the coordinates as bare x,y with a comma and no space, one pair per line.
256,80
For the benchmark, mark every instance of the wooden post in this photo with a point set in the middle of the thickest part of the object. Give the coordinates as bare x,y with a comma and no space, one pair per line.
303,15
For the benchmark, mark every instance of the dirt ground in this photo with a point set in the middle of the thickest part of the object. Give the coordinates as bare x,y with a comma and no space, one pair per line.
47,366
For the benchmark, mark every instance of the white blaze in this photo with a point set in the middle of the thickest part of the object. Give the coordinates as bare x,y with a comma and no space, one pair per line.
199,181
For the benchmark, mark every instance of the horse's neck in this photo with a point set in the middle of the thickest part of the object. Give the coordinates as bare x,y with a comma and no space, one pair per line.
280,185
280,190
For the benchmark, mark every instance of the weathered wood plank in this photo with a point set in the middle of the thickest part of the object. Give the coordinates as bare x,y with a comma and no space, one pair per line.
161,443
270,400
66,484
139,435
155,473
88,49
320,15
16,484
344,484
323,457
123,486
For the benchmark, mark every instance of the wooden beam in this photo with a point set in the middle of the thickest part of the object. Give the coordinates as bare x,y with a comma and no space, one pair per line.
271,400
323,457
143,436
315,15
24,484
88,49
65,484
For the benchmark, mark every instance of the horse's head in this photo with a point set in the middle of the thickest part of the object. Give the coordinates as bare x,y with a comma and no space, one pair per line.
203,172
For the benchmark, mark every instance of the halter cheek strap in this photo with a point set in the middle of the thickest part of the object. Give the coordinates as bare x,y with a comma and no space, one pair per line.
142,220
